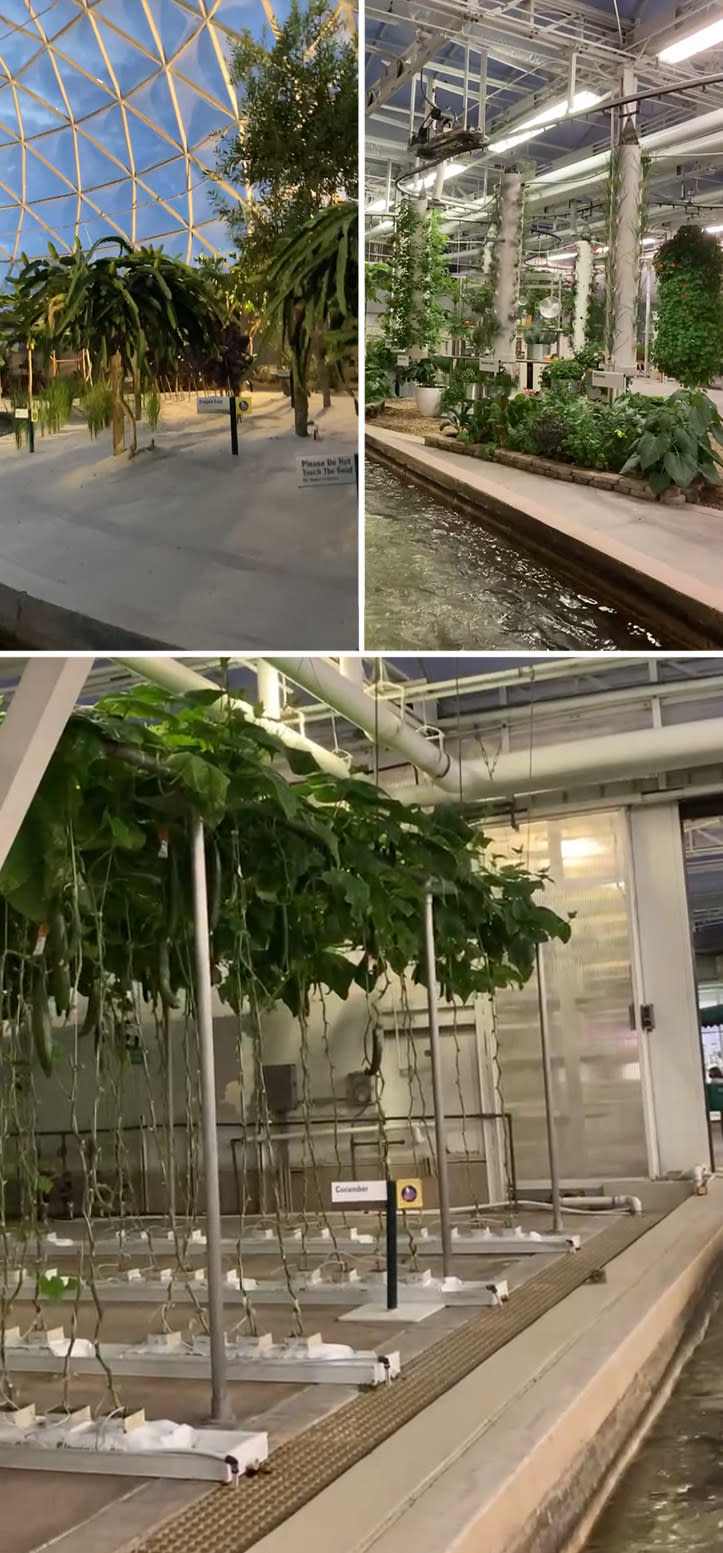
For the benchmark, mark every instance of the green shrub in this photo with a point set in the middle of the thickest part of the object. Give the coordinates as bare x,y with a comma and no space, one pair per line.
55,403
572,369
675,446
688,342
548,431
379,367
97,406
152,407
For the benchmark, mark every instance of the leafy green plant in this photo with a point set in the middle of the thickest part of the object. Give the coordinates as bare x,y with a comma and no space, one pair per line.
55,402
688,342
425,373
676,446
318,883
97,406
152,407
313,294
415,317
379,369
571,369
549,430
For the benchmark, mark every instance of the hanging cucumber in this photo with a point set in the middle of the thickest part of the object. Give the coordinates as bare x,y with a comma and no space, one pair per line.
214,883
60,983
57,947
168,997
41,1024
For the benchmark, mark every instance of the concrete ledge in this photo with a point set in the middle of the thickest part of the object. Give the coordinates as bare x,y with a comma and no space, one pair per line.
680,607
521,1455
39,625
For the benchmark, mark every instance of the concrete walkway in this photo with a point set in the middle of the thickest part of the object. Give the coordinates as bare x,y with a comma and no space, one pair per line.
185,546
671,558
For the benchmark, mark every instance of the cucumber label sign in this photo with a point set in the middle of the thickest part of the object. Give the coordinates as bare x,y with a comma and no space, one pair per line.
329,469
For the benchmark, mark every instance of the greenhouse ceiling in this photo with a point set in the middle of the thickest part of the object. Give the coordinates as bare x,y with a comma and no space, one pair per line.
496,67
109,116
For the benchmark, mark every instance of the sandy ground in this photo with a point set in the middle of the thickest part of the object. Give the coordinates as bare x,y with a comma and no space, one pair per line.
187,545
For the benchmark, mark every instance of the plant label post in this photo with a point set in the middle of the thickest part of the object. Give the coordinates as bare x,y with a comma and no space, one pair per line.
234,424
220,1402
358,1194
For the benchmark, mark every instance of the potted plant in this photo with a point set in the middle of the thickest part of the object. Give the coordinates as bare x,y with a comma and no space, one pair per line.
539,336
428,393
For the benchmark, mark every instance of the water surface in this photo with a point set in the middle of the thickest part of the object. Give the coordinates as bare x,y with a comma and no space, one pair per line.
671,1497
437,579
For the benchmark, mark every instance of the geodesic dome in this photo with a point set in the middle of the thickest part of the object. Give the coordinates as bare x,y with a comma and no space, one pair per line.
109,112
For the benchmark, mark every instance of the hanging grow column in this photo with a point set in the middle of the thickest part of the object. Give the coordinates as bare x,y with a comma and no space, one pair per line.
508,267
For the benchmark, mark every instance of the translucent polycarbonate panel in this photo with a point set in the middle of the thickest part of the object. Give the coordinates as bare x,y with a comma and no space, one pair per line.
598,1107
117,104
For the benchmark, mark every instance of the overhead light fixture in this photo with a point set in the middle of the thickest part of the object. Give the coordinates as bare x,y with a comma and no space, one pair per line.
376,208
542,121
558,257
650,242
695,43
714,229
451,169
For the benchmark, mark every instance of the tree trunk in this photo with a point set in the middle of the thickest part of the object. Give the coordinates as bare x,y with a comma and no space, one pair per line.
301,411
118,421
138,394
325,382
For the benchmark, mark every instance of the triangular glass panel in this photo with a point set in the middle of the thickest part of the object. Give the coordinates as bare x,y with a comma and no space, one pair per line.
108,128
201,118
85,94
175,25
58,149
11,169
97,170
130,65
199,64
9,123
42,81
19,48
42,178
153,102
128,17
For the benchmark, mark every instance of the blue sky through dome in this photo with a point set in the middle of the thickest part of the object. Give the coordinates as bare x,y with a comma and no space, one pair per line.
109,113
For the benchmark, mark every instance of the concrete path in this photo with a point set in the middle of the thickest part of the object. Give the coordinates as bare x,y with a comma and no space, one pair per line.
673,554
186,546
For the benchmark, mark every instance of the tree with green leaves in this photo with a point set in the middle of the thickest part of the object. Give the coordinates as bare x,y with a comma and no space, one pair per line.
313,293
135,311
688,342
295,152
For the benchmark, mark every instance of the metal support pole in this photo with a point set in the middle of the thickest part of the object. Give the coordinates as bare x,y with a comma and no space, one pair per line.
234,425
439,1126
171,1117
557,1223
392,1272
220,1402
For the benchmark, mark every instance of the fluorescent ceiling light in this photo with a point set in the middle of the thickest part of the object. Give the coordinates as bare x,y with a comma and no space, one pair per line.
559,256
451,169
384,226
650,242
714,229
376,208
573,169
542,121
694,43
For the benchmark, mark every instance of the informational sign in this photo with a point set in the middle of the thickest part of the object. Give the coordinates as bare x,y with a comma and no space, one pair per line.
358,1191
22,414
409,1194
327,469
402,361
244,404
212,404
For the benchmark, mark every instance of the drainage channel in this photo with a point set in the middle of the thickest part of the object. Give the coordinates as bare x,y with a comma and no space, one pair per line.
437,577
232,1521
671,1496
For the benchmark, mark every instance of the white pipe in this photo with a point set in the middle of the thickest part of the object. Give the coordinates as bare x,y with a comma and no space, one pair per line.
177,677
507,243
626,240
381,722
269,690
583,282
551,767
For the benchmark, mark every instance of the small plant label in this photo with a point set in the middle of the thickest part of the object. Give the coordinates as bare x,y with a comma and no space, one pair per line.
212,404
331,469
358,1191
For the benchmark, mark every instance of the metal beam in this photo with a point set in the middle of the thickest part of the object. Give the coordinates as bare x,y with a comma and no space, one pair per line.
399,71
38,713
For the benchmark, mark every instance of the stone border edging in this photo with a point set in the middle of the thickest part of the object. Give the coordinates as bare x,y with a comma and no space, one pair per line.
533,464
